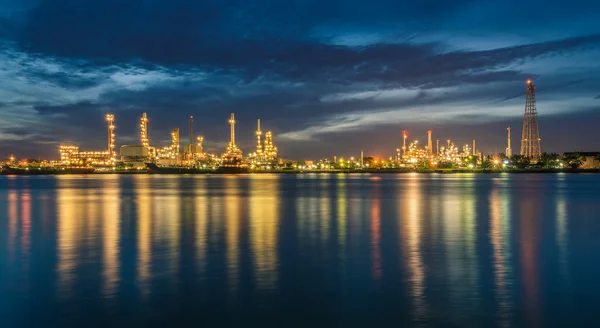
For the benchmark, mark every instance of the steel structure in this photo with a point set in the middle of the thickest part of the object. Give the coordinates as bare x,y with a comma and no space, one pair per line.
110,119
175,143
508,148
144,131
530,140
259,147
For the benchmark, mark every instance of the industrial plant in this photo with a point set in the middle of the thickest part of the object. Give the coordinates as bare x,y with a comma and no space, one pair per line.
265,158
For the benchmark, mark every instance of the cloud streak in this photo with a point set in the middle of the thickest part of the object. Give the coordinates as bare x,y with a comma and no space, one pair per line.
316,73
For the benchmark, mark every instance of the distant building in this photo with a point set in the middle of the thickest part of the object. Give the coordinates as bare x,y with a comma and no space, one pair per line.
135,155
590,159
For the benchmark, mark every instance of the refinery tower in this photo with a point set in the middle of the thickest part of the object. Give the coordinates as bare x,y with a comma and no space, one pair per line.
530,140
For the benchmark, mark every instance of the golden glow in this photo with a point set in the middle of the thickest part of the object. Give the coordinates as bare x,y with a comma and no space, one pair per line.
144,131
143,200
232,215
264,219
110,203
411,234
201,222
68,232
499,231
342,214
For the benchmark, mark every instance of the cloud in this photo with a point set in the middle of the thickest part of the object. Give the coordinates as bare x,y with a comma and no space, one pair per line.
311,70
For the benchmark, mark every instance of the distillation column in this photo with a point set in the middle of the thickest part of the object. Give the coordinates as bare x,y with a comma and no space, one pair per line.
144,131
110,119
232,133
258,144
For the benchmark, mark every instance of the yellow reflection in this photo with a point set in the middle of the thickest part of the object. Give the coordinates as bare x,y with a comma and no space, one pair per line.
342,215
499,232
411,208
201,239
144,231
232,215
460,238
90,218
264,216
111,219
324,210
67,234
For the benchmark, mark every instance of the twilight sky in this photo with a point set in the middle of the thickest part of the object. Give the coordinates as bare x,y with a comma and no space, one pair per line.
328,77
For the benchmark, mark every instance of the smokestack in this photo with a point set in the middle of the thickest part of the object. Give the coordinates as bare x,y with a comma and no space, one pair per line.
429,142
232,123
437,147
509,149
473,146
191,131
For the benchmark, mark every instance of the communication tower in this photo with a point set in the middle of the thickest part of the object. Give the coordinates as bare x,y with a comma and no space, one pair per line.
530,139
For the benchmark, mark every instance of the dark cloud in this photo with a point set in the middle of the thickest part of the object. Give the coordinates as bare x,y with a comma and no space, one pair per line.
294,64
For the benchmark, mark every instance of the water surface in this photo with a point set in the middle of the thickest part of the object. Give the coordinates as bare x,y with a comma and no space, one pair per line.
299,250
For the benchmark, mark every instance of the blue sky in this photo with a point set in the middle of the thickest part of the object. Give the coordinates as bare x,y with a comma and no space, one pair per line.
327,77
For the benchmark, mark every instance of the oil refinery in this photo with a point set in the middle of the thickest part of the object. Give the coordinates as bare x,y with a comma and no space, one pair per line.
412,155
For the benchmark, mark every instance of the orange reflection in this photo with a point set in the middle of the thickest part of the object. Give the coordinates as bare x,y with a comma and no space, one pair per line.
529,243
25,223
264,217
499,230
13,202
376,231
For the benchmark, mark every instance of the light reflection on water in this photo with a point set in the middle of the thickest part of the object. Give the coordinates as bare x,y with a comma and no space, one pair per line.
420,250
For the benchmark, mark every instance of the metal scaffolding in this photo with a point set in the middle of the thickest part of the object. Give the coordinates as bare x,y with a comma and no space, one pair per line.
530,140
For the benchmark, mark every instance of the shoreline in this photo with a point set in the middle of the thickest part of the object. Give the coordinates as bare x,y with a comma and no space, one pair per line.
365,171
